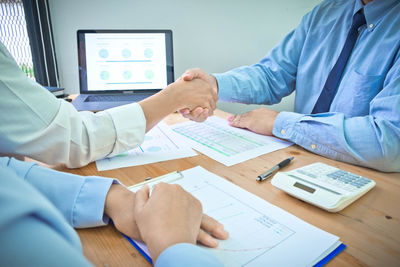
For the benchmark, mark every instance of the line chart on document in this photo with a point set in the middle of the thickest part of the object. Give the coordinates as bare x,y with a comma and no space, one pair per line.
251,233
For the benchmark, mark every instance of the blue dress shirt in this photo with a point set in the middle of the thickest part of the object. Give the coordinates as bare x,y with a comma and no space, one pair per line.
363,124
38,207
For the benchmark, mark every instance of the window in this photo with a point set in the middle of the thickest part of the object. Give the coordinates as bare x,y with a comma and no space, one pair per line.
14,36
25,29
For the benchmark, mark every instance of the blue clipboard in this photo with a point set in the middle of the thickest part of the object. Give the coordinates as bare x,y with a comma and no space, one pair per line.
331,255
139,249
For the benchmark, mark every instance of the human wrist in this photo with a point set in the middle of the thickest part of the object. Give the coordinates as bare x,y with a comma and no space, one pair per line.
116,197
171,97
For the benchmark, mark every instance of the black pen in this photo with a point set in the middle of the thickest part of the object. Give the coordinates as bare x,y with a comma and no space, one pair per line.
271,171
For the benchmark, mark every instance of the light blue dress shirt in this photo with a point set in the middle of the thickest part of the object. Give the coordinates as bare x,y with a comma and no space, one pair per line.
363,124
38,207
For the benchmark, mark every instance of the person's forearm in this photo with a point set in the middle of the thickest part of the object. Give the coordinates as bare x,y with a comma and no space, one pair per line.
367,141
80,199
158,106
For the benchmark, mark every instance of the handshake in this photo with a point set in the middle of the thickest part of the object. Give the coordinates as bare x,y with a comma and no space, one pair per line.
197,94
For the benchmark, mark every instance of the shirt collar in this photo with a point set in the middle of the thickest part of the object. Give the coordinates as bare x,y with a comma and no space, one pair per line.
374,10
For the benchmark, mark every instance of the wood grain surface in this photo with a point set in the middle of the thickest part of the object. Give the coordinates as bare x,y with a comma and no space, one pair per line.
369,227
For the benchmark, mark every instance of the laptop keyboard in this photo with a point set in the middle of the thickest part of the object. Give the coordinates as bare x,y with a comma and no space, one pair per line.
116,98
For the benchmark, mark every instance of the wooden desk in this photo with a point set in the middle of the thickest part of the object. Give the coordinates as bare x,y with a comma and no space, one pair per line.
369,227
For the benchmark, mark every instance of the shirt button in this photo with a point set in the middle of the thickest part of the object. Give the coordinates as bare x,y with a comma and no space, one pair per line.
283,131
371,25
313,146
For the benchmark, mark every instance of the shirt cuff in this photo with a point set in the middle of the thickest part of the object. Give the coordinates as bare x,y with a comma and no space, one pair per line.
185,254
284,124
289,126
88,210
224,83
130,127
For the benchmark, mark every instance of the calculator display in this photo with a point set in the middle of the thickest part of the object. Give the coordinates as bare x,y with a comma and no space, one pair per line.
304,187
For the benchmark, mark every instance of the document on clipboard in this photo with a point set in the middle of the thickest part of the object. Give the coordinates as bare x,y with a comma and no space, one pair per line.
260,234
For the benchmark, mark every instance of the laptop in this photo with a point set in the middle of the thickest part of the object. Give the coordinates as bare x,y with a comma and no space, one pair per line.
117,67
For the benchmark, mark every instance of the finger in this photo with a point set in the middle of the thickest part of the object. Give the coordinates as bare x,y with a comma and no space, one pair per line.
187,76
184,111
232,120
191,74
239,121
202,117
187,116
206,239
197,111
142,196
195,114
213,227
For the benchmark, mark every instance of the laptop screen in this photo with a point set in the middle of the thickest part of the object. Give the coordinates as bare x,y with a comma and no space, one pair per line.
124,60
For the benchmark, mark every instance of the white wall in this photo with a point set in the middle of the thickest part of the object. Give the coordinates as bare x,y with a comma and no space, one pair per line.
215,35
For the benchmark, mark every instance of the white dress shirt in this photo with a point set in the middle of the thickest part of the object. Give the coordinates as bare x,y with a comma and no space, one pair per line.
36,124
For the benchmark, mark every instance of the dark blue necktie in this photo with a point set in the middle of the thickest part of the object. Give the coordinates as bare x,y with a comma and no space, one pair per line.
328,92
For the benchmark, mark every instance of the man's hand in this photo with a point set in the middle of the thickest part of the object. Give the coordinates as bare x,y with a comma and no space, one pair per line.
200,74
198,114
193,93
260,120
210,230
170,216
119,206
176,96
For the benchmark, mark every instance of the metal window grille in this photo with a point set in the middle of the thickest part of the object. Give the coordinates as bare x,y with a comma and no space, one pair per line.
14,35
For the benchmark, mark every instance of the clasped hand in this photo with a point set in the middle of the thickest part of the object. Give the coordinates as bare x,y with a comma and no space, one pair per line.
171,215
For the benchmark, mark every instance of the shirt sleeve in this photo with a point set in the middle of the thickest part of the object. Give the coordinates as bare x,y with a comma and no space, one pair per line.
187,255
32,231
268,81
51,130
372,141
80,199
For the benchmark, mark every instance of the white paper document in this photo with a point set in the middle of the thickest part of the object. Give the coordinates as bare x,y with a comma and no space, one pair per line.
226,144
260,234
159,144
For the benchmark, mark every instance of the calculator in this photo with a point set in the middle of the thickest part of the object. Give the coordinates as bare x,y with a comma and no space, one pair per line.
324,186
